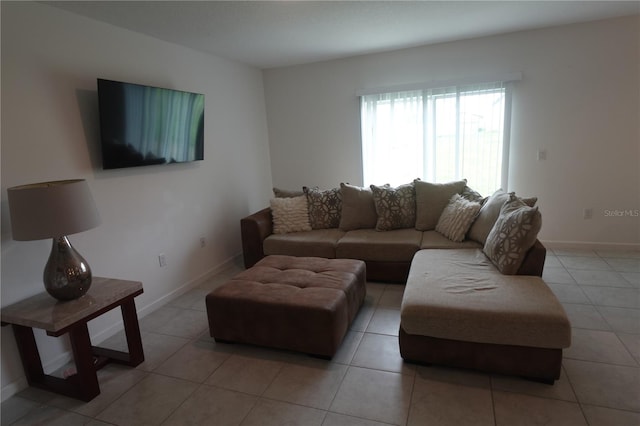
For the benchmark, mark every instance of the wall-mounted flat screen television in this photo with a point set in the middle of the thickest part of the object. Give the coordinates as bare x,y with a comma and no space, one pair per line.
143,125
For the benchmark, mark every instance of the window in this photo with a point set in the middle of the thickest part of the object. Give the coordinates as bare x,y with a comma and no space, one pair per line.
438,135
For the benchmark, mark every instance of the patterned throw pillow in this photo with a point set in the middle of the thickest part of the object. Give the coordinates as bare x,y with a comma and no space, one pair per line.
395,207
325,207
358,208
472,195
457,217
489,213
513,234
431,199
290,215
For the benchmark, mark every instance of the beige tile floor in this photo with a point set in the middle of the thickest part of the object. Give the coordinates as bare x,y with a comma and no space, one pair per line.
189,379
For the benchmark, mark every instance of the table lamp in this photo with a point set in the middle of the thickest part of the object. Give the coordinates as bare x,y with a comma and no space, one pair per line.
55,210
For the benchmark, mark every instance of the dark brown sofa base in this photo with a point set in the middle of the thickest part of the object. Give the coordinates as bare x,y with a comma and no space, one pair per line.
394,272
539,364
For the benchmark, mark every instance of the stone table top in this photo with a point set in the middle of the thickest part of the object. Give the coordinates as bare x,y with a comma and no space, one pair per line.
45,312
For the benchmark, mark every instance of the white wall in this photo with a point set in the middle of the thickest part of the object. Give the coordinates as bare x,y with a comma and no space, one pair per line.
579,100
50,62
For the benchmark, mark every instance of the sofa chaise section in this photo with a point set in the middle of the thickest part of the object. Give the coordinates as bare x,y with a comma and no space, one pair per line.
459,310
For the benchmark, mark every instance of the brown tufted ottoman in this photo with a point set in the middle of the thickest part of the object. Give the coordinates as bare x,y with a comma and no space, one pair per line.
299,303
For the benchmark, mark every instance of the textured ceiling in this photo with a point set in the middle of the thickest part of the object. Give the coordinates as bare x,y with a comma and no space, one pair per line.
269,34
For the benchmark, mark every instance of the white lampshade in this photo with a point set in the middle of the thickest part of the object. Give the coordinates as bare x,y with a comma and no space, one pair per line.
51,209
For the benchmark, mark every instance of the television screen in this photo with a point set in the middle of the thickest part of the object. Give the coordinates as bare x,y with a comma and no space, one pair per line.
143,125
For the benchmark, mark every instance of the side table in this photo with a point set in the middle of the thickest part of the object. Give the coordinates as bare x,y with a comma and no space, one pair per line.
57,318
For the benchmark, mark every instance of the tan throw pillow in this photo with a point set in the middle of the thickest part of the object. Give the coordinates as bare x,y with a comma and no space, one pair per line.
285,193
431,199
489,214
358,208
513,234
290,215
325,207
395,207
457,217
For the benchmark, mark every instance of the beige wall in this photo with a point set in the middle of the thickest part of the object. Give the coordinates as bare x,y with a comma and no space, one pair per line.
578,100
50,62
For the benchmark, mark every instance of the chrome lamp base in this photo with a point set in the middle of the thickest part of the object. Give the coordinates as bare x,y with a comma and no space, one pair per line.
67,275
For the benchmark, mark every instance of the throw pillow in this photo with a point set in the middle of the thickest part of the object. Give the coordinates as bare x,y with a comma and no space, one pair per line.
457,217
513,234
358,208
489,214
290,215
431,199
472,195
285,193
395,207
325,207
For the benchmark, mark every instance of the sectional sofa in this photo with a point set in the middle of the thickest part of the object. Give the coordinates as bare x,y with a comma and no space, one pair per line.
474,297
346,223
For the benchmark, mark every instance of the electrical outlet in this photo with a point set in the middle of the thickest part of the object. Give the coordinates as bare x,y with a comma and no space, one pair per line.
203,242
162,260
542,155
587,213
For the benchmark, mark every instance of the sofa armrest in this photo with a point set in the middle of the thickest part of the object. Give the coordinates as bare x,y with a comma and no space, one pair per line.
533,263
254,229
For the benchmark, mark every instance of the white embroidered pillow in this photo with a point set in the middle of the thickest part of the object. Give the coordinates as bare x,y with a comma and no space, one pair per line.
457,217
290,215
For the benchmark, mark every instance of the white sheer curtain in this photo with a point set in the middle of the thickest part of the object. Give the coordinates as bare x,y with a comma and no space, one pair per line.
392,137
438,135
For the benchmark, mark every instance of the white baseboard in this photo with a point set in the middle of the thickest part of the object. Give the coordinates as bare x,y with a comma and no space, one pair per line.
21,383
589,245
13,388
146,310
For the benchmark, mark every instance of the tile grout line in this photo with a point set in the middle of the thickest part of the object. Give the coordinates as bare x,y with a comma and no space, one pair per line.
493,400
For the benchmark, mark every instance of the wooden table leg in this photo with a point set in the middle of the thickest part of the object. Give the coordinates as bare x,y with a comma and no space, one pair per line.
132,330
29,354
83,385
86,379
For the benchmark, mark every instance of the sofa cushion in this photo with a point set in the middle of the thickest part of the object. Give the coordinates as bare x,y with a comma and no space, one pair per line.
459,295
395,207
513,234
358,208
431,199
319,243
434,239
457,217
368,244
290,215
324,207
489,214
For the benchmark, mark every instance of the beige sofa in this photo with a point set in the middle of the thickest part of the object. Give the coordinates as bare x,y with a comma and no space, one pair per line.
387,254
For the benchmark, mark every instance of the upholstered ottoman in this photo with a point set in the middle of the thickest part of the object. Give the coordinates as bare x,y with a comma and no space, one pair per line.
304,304
458,310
